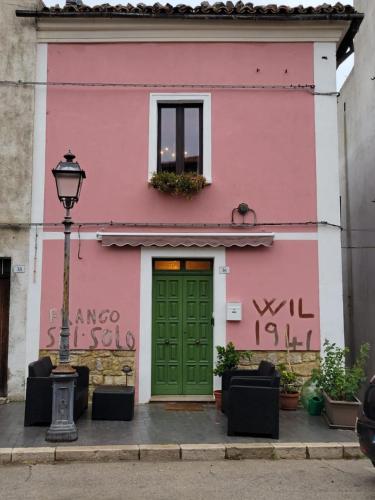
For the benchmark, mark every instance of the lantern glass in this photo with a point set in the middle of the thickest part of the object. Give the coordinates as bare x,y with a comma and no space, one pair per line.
68,176
68,184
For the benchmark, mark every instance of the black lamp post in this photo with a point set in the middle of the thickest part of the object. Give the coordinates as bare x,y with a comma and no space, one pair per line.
68,176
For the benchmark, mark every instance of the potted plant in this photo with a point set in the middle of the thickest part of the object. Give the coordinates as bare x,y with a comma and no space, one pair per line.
227,359
290,385
185,184
341,384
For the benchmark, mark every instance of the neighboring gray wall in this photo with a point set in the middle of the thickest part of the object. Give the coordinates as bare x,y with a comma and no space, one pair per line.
17,62
357,160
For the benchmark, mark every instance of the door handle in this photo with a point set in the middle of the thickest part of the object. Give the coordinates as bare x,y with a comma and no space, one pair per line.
197,341
166,341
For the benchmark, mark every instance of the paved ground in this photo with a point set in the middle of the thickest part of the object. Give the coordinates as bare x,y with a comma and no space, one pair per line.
249,479
153,424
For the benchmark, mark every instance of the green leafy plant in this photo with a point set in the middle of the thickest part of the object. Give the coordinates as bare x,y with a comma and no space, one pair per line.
186,184
228,358
339,382
289,380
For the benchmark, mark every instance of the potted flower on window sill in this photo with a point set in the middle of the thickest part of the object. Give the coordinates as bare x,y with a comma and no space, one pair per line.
341,384
290,386
185,184
228,359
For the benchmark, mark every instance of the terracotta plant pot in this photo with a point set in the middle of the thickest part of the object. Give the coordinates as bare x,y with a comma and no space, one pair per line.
341,414
217,395
289,400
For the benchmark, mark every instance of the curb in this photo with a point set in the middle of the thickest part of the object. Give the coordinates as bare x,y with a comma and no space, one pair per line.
176,452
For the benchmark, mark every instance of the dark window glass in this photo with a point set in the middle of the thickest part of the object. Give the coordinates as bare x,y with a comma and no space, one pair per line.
4,268
191,139
180,141
167,151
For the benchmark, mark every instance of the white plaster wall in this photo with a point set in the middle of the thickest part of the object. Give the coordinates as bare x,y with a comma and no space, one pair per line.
17,62
356,111
328,195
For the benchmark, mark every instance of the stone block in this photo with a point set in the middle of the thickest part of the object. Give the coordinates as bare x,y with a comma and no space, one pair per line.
106,364
273,358
90,363
244,451
108,380
281,356
124,354
159,452
97,379
352,450
33,455
207,452
85,354
310,356
293,451
106,453
5,455
305,369
295,357
325,451
257,357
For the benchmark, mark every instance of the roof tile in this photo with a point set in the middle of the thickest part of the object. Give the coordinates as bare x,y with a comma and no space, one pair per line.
204,9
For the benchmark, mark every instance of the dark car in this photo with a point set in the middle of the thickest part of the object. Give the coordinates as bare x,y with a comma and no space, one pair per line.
366,423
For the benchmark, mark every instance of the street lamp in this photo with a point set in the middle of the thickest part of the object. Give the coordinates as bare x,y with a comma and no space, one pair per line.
68,176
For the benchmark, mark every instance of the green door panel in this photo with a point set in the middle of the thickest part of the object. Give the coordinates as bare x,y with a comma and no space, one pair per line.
182,349
166,337
197,335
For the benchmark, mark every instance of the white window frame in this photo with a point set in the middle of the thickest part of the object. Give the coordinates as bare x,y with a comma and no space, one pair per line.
180,98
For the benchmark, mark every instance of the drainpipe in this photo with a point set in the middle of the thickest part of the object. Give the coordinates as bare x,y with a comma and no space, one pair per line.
349,251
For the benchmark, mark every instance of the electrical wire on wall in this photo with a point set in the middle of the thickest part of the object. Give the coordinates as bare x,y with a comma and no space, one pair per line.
304,87
186,225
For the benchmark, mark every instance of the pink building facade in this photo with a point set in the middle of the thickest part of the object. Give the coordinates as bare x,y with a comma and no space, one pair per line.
157,281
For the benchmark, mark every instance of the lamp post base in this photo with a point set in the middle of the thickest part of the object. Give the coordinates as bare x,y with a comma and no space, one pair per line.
62,427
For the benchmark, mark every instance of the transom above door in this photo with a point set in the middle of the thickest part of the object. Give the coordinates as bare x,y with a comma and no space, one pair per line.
182,326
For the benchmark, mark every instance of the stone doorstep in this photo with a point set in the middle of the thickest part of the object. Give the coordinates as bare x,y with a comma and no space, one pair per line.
159,452
174,452
326,451
352,450
5,455
40,455
291,451
103,453
208,452
243,451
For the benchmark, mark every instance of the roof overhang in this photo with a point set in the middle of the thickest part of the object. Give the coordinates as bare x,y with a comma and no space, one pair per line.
186,239
202,24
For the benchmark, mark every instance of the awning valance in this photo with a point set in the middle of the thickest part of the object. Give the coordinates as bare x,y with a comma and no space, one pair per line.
186,239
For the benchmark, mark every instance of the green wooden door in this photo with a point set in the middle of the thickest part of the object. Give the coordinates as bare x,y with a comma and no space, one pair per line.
182,334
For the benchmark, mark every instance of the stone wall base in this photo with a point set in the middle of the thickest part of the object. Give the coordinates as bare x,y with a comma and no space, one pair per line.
303,362
105,366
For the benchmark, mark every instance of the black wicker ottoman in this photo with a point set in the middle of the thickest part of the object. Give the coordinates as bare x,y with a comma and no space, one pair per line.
113,402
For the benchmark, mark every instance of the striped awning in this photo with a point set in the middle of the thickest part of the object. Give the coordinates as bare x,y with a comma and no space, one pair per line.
186,239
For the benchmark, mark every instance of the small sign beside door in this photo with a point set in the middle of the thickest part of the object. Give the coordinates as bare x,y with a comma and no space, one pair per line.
18,268
224,270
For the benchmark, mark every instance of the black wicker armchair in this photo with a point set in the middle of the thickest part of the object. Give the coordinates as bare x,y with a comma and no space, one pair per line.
252,404
38,405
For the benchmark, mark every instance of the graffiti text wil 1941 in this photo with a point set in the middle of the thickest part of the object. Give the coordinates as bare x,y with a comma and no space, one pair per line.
273,307
104,331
